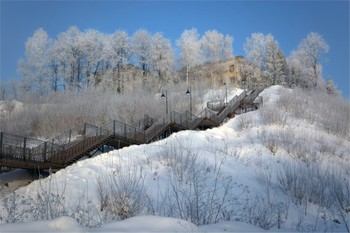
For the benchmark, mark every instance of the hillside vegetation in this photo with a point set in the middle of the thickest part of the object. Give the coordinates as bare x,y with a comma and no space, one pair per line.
284,166
48,117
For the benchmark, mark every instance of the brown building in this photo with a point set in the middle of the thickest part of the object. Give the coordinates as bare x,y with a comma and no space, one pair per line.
235,71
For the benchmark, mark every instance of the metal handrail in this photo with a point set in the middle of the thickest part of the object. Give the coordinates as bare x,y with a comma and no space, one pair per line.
144,131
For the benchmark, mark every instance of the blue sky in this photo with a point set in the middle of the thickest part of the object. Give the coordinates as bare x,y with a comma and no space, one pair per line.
288,21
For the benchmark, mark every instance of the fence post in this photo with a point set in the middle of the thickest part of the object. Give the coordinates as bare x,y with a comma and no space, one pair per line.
52,147
113,127
44,153
24,148
70,135
124,130
84,129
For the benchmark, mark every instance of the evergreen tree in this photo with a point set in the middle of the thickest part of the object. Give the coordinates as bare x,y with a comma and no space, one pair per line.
275,63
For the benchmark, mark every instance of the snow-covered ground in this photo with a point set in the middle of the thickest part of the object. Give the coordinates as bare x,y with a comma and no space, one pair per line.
135,224
235,168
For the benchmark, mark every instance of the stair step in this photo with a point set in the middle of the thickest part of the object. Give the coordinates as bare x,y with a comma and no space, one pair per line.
154,130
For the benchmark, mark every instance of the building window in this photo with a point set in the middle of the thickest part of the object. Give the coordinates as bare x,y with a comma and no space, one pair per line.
232,68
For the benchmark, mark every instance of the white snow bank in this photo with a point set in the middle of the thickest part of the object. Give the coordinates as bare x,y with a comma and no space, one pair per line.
134,224
61,224
149,224
230,227
272,94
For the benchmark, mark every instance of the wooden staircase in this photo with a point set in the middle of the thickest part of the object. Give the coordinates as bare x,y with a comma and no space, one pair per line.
67,148
79,150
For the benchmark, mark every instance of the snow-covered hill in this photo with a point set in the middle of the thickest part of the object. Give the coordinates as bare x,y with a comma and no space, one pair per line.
274,168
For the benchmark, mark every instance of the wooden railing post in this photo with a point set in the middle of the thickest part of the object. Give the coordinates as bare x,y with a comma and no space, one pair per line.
24,148
44,152
52,147
85,125
70,135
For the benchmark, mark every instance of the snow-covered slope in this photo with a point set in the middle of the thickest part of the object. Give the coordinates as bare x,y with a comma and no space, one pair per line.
228,178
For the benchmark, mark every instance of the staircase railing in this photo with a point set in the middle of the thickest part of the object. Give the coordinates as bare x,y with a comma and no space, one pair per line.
144,122
19,147
145,130
154,131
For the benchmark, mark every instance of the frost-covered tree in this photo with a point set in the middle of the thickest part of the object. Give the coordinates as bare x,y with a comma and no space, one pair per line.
331,89
215,46
34,67
54,67
92,48
9,90
161,56
190,48
228,46
275,63
255,48
14,89
308,55
295,72
264,52
70,54
78,60
3,90
311,49
120,50
141,46
118,55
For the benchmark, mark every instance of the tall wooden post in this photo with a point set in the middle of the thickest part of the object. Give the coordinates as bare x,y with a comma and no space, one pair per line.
70,135
52,147
85,125
44,152
24,148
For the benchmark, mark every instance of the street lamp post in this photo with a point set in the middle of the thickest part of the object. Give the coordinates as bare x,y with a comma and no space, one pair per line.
225,93
188,92
165,96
